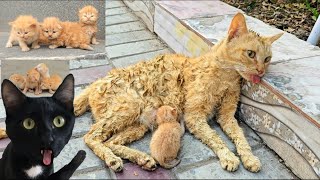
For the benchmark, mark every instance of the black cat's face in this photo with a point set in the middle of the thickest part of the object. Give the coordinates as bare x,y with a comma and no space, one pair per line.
39,127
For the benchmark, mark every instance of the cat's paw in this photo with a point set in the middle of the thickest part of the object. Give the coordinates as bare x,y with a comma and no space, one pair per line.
25,49
69,47
9,45
229,161
251,162
36,46
52,46
147,163
115,163
79,158
95,42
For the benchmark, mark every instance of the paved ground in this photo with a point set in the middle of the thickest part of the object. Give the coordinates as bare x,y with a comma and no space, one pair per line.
128,41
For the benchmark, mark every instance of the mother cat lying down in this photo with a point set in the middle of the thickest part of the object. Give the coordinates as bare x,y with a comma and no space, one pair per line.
197,87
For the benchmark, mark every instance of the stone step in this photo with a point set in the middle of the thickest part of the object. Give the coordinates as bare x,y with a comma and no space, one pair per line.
128,37
88,75
125,27
121,18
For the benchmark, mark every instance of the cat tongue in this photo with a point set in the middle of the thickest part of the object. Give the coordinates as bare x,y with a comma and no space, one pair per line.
255,78
46,157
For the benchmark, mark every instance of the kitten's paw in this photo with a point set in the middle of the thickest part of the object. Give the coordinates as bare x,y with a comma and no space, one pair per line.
69,47
9,45
115,163
95,42
147,163
52,46
25,49
36,46
251,162
89,48
229,161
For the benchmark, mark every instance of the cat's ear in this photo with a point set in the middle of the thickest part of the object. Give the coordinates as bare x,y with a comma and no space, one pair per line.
273,38
59,26
65,92
238,26
33,25
12,97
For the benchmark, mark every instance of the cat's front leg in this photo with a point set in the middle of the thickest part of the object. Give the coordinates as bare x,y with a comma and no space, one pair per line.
231,127
35,45
23,45
53,46
94,39
67,171
10,41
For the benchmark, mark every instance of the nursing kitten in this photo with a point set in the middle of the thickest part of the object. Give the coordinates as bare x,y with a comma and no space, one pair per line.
52,83
165,141
24,31
88,17
32,82
38,128
43,69
68,34
18,80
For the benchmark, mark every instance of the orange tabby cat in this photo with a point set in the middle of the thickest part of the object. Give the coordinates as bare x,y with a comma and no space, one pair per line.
24,31
32,82
88,17
165,142
18,80
43,70
69,34
52,83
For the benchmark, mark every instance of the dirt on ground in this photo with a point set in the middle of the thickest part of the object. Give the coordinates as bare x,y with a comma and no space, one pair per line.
295,17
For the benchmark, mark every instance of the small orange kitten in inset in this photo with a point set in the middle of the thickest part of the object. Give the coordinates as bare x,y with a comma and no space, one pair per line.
24,31
52,83
68,34
18,80
88,17
165,141
43,69
32,82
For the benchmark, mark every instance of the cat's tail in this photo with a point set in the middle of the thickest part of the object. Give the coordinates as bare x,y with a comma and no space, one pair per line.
3,134
81,102
171,164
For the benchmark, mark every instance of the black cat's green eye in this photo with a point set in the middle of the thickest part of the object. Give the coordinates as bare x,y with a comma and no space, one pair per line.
28,123
251,54
58,121
267,59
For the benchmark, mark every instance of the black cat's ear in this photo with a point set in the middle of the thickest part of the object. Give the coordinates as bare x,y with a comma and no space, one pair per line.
65,92
12,97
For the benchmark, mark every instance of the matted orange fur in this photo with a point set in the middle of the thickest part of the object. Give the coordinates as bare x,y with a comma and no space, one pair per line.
32,82
25,31
197,87
165,141
52,83
18,80
88,17
68,34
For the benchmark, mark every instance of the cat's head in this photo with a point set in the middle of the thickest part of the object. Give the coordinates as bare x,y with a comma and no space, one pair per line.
249,52
51,27
33,75
88,15
25,27
39,127
166,114
43,69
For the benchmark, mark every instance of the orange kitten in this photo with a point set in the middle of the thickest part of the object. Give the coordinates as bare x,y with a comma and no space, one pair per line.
67,34
18,80
43,70
165,142
88,17
32,82
52,83
24,31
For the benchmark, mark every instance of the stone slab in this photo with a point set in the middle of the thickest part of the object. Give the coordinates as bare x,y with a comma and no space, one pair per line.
121,18
116,11
82,125
125,27
134,48
88,75
2,110
133,171
114,4
126,61
78,64
128,37
98,174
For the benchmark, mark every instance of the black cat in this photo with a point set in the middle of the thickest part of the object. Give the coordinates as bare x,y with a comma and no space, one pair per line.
38,128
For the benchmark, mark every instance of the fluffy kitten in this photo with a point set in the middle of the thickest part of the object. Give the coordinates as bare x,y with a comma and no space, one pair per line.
18,80
32,82
68,34
88,17
38,128
43,69
24,31
165,142
52,83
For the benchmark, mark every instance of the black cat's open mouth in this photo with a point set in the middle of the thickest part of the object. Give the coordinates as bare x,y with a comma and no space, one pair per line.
47,156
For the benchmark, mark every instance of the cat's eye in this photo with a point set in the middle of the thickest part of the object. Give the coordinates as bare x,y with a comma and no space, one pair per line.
25,32
251,54
28,123
46,31
58,121
268,59
18,32
53,31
